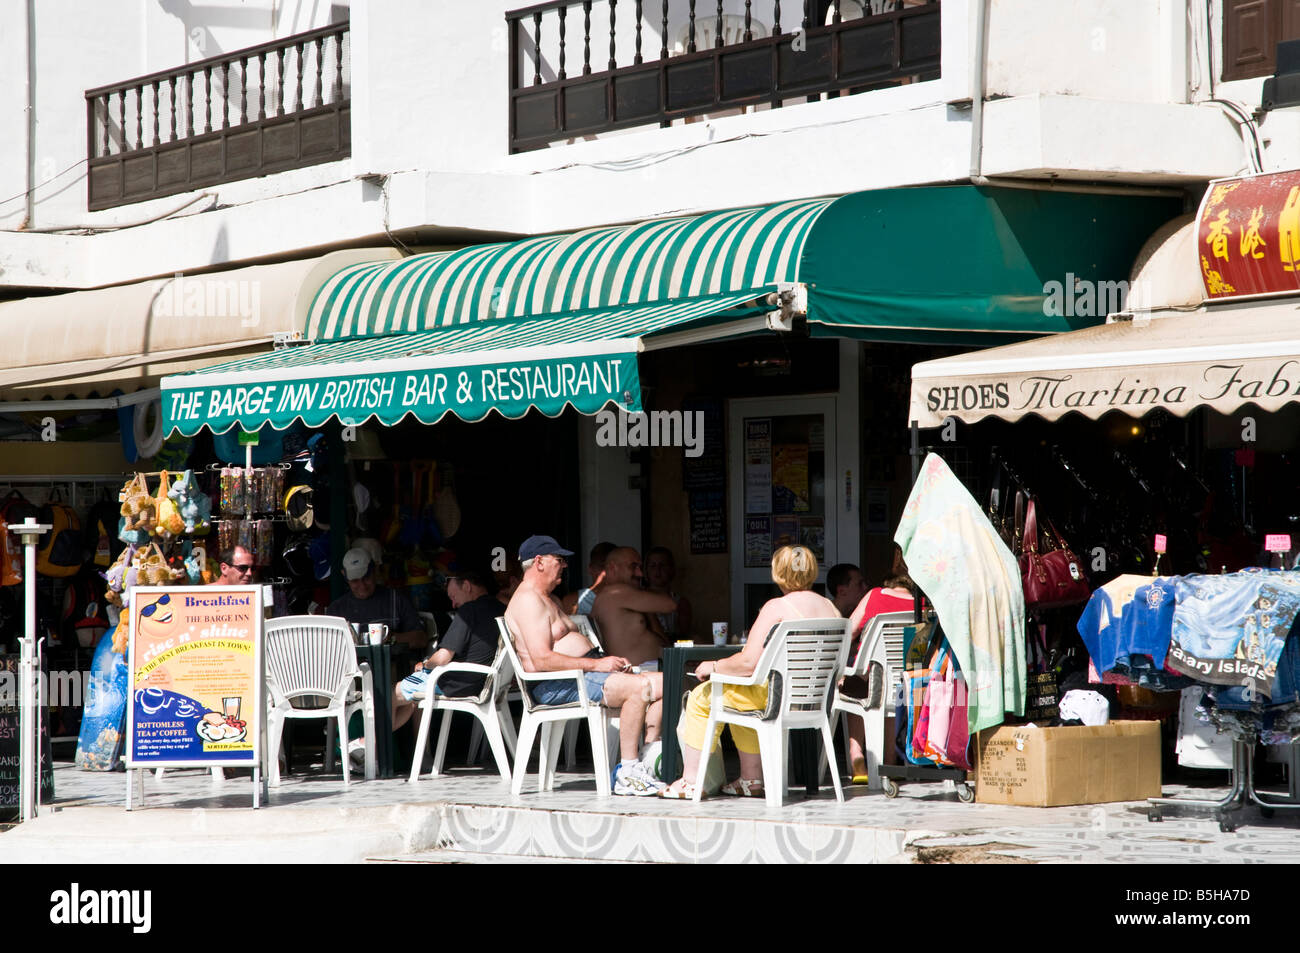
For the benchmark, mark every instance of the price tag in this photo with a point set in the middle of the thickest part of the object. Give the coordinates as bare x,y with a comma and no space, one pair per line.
1278,542
1162,544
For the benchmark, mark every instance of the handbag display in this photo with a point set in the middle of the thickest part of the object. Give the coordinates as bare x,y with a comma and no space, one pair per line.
1053,577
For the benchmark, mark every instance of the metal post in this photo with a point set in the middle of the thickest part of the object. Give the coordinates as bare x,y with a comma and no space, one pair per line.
916,451
29,748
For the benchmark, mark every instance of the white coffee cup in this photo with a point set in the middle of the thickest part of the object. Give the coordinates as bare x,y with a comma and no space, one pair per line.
377,632
719,633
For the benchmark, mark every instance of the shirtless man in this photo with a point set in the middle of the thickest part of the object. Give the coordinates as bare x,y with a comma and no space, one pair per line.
622,610
547,641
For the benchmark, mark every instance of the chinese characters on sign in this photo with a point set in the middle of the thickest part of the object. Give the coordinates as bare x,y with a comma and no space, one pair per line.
1248,238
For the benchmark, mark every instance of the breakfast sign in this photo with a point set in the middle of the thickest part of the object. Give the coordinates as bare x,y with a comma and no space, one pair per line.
196,683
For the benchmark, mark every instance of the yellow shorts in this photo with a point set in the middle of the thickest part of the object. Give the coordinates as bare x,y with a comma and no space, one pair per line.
739,697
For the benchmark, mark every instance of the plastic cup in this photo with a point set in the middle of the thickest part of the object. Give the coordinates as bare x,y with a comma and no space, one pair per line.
719,633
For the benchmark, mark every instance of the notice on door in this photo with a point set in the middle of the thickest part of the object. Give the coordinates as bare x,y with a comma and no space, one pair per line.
758,466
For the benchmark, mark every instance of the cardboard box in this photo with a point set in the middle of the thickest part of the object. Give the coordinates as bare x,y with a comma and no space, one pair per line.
1049,767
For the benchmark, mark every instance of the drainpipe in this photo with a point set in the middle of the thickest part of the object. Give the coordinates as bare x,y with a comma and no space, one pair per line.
29,216
978,82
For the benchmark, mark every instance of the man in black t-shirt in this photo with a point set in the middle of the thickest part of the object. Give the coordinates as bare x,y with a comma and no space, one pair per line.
471,637
366,601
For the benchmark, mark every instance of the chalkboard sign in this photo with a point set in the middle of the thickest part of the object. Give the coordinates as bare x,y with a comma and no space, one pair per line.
708,522
708,470
9,800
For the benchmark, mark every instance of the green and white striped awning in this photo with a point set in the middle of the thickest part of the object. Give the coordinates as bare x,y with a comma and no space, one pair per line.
559,320
586,360
661,261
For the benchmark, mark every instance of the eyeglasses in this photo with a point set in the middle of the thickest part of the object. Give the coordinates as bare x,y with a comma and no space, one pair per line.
150,609
248,567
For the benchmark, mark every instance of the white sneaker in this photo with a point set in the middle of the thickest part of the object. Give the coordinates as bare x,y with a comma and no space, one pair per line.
650,756
636,781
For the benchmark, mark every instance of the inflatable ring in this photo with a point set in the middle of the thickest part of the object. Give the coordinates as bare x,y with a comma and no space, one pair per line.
148,442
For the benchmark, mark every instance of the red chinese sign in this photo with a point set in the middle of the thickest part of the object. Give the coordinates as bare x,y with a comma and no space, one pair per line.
1248,235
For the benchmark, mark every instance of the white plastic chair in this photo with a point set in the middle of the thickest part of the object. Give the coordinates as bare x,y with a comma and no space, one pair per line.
489,706
588,628
880,661
800,665
312,657
547,721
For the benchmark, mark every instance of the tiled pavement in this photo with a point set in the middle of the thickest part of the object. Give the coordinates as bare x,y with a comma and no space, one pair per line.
470,814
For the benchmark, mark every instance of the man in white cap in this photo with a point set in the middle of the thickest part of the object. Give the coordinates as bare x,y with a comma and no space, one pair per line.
368,602
547,641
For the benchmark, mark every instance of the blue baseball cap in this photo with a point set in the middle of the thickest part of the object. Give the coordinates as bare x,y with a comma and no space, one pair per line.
535,546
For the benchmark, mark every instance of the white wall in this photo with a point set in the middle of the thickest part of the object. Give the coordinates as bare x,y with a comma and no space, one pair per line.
1085,90
80,46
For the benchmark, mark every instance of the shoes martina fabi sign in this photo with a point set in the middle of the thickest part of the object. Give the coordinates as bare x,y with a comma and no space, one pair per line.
1241,347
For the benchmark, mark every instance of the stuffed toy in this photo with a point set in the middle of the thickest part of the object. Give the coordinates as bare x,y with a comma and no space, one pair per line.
121,575
194,566
139,511
169,520
194,505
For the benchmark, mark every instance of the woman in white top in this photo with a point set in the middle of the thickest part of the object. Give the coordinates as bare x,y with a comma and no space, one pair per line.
794,569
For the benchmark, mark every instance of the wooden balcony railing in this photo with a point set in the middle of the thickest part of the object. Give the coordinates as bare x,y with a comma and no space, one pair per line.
282,105
674,59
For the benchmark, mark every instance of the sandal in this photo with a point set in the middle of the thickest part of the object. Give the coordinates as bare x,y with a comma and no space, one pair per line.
744,787
679,790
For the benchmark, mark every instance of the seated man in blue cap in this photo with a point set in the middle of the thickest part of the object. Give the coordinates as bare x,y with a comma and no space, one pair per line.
546,640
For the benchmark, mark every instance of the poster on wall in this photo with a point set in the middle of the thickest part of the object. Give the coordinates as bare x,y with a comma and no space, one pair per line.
708,522
785,531
758,541
758,465
876,509
790,491
812,533
195,669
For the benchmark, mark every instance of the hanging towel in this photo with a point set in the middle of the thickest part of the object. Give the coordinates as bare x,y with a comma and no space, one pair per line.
960,562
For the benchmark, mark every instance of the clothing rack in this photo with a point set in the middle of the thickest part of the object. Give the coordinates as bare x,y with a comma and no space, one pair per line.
60,481
1241,793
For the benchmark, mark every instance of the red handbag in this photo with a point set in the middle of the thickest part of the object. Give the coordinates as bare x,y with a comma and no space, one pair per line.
1054,577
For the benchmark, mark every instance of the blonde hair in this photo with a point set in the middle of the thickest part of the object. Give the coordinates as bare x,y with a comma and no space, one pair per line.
794,568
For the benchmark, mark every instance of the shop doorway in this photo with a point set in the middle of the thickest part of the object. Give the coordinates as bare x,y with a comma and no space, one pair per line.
783,457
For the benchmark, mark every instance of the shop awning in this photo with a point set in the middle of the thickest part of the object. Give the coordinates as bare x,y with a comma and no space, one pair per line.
902,264
130,336
585,360
1222,357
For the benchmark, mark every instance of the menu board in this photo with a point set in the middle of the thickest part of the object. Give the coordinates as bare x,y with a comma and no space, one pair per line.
708,471
9,740
195,670
708,522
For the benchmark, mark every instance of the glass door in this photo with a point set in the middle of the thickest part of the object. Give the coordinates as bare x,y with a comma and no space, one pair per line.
782,459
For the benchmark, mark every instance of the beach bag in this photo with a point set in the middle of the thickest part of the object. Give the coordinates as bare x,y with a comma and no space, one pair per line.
1053,577
59,553
948,731
14,509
